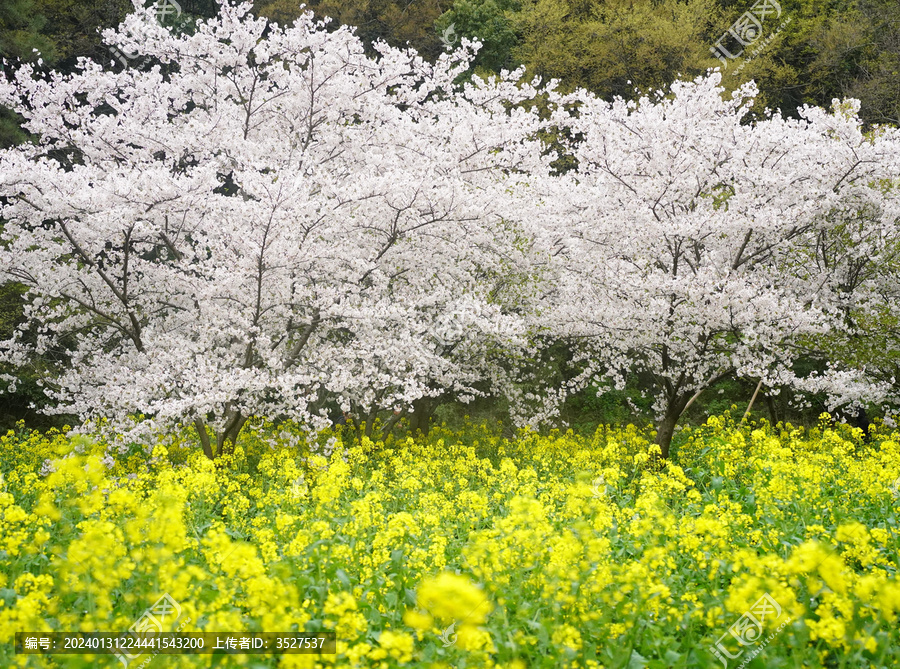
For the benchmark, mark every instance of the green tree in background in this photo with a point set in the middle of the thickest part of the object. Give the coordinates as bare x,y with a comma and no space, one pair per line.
819,50
407,22
617,46
22,31
21,38
855,52
610,47
809,52
829,48
56,32
492,22
62,30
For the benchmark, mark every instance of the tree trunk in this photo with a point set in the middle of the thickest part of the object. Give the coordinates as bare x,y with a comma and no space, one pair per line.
357,430
370,423
421,416
666,428
204,438
862,422
773,411
226,438
234,431
391,422
664,433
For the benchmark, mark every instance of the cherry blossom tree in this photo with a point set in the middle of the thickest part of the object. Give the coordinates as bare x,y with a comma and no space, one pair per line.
691,245
263,218
861,252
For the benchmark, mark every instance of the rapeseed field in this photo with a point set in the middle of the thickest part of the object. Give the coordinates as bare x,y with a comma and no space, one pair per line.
755,546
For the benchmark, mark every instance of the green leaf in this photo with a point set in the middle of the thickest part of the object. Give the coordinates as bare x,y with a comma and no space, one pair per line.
637,661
